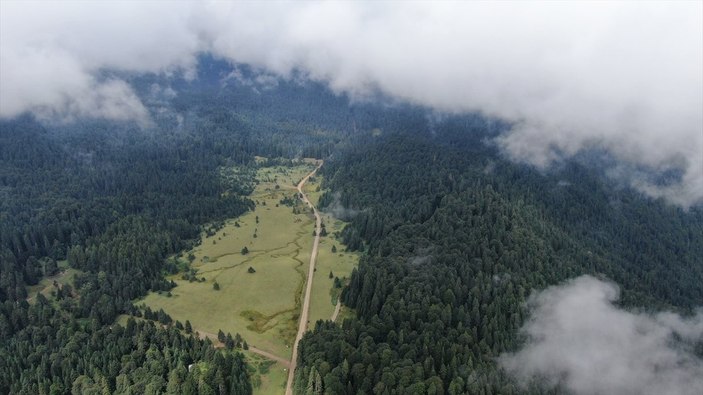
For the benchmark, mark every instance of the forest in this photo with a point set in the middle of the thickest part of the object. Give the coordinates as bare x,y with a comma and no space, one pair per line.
454,238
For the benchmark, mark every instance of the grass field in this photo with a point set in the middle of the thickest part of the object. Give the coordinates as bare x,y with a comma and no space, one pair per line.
324,294
46,285
262,306
268,377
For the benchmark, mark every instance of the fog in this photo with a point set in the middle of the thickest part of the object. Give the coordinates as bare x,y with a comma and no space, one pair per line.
626,77
578,339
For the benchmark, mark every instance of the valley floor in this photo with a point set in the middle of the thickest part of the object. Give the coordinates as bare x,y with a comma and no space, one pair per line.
261,289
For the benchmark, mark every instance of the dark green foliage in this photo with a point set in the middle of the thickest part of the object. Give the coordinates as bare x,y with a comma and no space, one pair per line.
251,270
245,251
115,206
216,286
96,202
112,359
453,250
288,201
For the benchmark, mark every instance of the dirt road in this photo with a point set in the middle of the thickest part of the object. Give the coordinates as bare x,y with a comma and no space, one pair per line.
303,324
253,349
336,311
268,355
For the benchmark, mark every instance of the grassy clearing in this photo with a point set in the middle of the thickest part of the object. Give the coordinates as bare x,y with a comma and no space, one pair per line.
345,313
48,285
268,377
324,293
340,263
313,190
262,306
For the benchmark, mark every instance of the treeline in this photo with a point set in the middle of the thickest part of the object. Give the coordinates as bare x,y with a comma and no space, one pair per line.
114,203
66,189
46,351
455,239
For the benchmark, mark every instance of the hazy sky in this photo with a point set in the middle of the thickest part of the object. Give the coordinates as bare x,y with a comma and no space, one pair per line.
624,76
580,340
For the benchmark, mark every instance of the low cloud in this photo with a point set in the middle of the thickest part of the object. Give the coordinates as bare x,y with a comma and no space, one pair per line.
581,341
337,209
54,57
620,76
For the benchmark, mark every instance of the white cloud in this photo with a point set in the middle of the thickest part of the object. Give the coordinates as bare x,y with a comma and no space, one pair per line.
625,76
579,339
52,55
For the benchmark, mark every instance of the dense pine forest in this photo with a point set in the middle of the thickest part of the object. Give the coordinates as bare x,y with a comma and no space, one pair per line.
454,238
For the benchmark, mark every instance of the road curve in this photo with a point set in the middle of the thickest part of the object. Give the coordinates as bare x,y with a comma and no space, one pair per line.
268,355
265,354
303,323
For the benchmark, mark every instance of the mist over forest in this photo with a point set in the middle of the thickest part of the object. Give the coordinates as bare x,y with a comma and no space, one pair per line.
522,183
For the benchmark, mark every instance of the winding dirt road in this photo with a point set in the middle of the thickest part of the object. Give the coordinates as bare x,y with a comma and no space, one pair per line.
303,323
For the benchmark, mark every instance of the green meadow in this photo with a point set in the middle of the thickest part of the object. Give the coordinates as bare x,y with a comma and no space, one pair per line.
267,377
339,263
261,289
49,285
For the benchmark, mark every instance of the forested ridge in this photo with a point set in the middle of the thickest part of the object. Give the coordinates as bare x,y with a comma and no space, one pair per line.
455,239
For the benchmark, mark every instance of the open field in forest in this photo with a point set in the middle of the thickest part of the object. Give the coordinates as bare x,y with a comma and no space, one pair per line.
46,285
262,306
261,289
340,263
268,377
